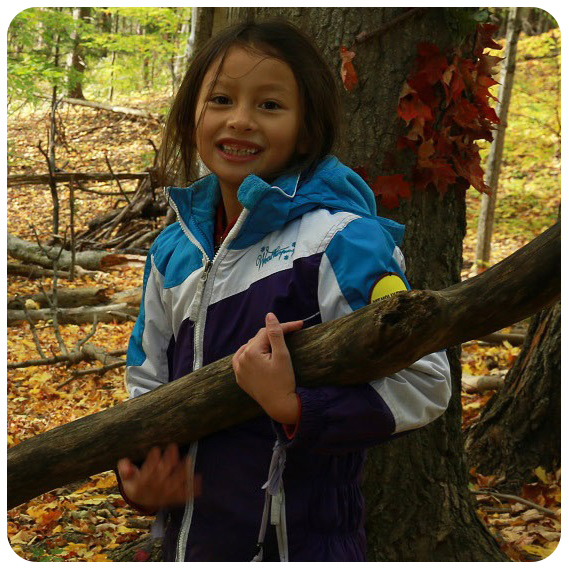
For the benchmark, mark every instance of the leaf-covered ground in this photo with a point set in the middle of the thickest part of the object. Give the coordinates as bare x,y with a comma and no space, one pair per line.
88,520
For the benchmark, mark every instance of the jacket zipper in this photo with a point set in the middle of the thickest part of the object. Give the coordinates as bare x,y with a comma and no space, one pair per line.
198,309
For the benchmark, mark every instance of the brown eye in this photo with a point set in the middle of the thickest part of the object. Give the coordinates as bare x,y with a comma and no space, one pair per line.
221,100
270,106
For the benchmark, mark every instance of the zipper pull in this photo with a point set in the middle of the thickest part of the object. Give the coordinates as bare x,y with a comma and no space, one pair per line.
196,302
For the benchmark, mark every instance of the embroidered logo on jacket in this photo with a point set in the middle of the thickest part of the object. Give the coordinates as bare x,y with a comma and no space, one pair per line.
278,252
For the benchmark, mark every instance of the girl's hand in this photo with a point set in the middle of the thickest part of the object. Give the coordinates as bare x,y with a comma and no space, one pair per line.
162,480
263,369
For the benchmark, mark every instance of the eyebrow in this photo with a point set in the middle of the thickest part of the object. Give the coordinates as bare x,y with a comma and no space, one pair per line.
263,87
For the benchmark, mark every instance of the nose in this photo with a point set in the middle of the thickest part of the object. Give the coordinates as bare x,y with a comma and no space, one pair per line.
241,119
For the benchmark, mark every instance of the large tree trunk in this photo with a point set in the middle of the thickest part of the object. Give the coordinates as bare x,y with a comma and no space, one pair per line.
520,427
410,517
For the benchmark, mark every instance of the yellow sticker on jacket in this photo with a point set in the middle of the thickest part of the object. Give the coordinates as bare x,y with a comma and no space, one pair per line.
386,285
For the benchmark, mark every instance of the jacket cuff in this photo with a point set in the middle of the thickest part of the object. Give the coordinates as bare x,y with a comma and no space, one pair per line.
291,430
312,403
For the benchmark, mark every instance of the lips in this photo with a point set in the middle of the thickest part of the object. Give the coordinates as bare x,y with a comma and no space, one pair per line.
238,150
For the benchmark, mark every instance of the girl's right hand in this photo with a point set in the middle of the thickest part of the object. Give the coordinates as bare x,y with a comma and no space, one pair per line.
162,480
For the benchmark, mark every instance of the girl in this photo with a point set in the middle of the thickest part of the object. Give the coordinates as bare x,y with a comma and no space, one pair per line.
278,232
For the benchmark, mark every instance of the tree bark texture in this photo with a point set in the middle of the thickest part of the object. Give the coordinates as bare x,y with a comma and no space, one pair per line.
520,427
81,315
388,336
33,179
33,253
76,61
418,503
112,108
66,298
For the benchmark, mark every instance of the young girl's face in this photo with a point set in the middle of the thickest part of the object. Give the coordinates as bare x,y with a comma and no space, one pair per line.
248,121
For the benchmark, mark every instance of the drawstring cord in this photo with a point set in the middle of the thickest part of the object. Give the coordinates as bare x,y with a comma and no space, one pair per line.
274,502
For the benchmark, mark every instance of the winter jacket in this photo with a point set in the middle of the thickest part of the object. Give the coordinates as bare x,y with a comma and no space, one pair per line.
306,248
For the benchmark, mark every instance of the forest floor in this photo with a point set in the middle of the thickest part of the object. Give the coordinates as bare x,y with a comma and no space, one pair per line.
88,520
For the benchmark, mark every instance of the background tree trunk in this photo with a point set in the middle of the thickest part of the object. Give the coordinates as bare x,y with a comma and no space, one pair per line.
418,504
76,62
494,162
520,427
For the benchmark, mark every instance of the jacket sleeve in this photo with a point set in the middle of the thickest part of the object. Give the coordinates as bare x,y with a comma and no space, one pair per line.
363,264
147,360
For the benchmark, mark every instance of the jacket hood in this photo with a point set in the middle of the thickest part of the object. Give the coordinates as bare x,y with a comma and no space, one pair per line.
332,185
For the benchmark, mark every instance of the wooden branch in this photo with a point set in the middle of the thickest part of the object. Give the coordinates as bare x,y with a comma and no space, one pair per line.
66,297
365,36
31,272
41,255
111,108
479,384
387,336
88,352
499,337
27,179
121,189
514,498
81,315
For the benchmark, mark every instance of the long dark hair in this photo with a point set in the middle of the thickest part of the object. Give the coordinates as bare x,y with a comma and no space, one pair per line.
277,38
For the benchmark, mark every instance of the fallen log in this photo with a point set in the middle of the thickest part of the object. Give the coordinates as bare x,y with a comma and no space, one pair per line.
33,253
31,272
87,352
499,337
113,108
32,179
82,315
479,384
66,298
386,336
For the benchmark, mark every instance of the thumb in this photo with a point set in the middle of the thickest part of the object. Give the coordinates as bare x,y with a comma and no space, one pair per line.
275,334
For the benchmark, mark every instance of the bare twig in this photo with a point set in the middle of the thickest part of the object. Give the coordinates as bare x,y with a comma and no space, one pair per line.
46,361
123,315
98,370
116,179
365,36
89,335
514,498
72,230
34,333
23,179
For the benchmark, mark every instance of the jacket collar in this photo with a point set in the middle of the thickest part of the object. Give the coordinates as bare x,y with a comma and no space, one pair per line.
270,206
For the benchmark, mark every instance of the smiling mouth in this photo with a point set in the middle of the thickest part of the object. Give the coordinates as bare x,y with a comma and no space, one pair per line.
238,150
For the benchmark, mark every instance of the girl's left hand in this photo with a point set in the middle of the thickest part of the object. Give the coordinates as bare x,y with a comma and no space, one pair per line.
263,369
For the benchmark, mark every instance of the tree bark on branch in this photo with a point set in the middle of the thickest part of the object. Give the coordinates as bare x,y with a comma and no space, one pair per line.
29,179
387,336
34,253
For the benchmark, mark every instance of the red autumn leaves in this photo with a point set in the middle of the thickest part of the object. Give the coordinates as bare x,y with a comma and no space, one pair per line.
446,106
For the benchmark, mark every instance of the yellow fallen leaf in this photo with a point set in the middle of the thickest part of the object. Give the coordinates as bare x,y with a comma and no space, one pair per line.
100,557
541,474
32,304
40,377
22,537
536,550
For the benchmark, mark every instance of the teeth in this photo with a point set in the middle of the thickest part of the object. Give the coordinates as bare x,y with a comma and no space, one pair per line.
238,150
